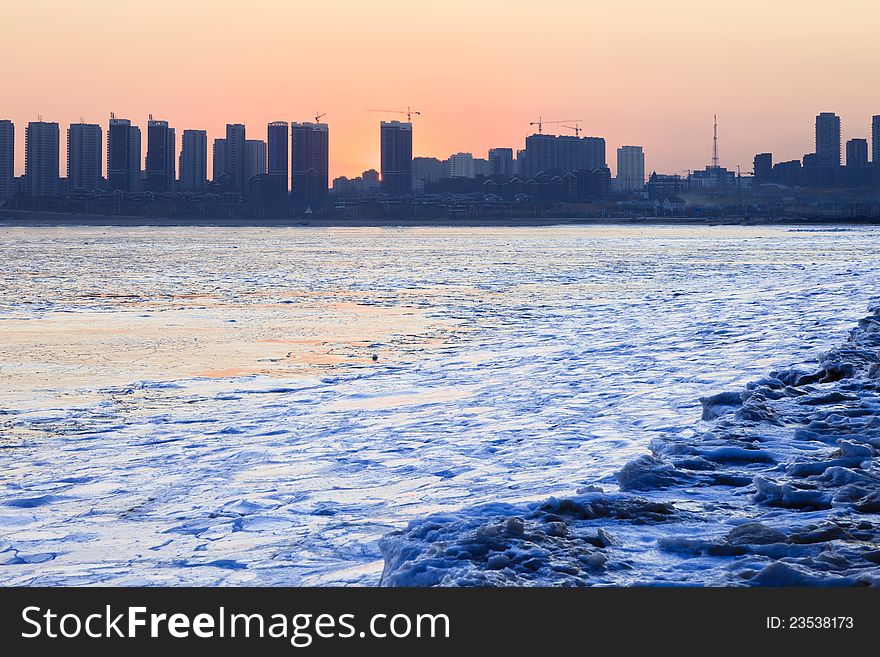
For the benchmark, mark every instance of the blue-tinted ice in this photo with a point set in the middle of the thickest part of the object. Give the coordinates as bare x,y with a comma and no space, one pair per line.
781,489
160,444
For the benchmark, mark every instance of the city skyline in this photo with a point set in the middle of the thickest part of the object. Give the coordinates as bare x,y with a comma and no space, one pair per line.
261,156
600,63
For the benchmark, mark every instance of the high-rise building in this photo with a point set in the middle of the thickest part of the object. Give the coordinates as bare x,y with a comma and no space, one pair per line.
460,165
235,156
501,162
161,155
589,152
857,173
828,140
123,156
254,158
630,168
788,173
84,162
219,159
763,168
348,187
857,153
41,158
541,154
428,170
875,140
278,157
309,160
370,179
194,161
482,167
519,164
7,159
396,157
563,154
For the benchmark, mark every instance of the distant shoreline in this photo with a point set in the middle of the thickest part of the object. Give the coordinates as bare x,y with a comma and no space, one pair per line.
15,218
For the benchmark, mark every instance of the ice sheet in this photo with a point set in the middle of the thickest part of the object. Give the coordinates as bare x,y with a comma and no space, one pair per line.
202,406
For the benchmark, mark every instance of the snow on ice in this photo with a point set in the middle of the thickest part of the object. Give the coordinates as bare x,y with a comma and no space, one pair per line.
782,489
147,439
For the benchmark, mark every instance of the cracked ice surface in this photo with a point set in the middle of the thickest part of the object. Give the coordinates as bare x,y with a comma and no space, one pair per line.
201,406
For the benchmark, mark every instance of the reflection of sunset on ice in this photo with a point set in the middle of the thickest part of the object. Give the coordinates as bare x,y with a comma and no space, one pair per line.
162,340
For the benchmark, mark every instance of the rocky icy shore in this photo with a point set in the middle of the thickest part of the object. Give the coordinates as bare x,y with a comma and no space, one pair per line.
780,485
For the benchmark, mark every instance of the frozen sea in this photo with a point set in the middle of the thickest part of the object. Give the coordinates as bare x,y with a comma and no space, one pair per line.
253,406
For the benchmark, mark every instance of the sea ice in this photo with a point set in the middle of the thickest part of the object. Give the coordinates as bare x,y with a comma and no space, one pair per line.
754,451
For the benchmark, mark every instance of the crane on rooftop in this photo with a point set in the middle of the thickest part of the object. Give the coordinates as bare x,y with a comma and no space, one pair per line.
318,115
540,123
408,111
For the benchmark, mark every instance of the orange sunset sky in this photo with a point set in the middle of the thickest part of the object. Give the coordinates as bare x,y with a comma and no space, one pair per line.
636,71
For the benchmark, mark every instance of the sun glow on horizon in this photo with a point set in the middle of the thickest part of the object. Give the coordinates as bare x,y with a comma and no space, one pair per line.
636,72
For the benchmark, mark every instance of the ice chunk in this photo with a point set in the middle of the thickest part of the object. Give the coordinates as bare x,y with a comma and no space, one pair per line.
717,405
755,533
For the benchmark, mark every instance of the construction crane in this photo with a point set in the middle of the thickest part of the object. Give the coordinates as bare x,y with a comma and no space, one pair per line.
408,111
540,123
318,115
575,127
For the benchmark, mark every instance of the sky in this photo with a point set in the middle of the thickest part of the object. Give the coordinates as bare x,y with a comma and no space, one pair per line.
634,71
